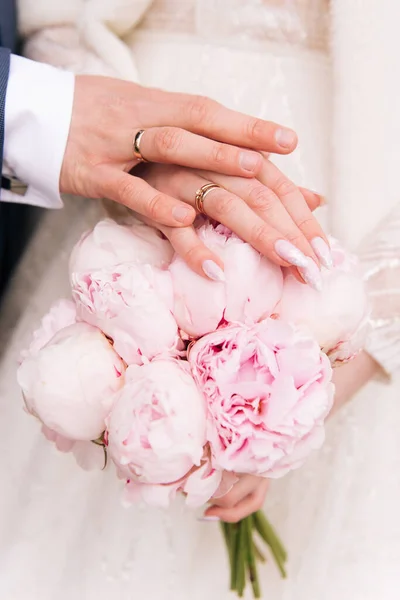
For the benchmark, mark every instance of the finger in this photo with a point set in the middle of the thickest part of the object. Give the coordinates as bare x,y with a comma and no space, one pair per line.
297,208
246,485
245,507
198,257
230,210
209,118
312,199
266,204
180,147
225,208
296,274
139,196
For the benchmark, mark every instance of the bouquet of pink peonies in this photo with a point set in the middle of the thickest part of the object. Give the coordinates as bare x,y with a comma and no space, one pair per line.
183,382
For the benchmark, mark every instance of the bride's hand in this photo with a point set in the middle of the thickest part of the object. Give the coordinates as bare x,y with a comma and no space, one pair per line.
246,497
269,212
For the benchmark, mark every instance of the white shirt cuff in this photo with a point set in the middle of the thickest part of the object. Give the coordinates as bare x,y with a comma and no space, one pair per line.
37,119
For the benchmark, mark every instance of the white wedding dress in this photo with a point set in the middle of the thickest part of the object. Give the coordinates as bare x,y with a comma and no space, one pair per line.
63,532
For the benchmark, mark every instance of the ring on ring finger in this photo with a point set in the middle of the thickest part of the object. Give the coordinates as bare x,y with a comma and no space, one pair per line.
201,194
136,146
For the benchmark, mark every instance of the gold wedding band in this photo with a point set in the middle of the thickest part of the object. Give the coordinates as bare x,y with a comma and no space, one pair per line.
201,194
136,146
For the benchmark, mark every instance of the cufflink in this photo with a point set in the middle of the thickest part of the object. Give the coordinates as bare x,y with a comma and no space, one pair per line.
14,185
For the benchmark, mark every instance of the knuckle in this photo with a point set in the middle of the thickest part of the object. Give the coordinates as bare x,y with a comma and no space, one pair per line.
258,235
167,140
191,255
223,204
127,191
261,198
154,205
218,154
306,222
255,129
284,186
199,109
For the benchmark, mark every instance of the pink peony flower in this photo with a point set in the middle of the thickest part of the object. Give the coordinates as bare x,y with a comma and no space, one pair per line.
251,291
110,244
61,314
70,384
88,455
202,484
338,315
205,483
132,305
268,389
157,427
158,495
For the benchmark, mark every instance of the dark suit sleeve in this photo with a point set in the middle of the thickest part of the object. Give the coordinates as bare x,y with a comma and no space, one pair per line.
4,71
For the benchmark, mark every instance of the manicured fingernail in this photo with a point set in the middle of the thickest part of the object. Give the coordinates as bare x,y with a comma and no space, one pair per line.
311,275
290,253
249,160
209,519
213,271
323,252
285,138
180,213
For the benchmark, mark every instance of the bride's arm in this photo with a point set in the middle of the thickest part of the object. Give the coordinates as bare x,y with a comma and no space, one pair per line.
380,260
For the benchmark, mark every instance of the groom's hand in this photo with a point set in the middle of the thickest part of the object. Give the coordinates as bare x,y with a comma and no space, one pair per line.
182,129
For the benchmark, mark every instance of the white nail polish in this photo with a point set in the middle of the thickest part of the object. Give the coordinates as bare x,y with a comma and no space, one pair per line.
311,275
323,252
290,253
209,519
213,271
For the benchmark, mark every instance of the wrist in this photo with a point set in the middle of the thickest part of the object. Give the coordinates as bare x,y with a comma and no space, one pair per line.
351,377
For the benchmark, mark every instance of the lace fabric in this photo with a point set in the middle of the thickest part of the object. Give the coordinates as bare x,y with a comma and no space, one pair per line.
304,23
380,258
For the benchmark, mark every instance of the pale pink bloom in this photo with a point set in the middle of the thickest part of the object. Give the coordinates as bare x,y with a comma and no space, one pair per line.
71,383
337,316
268,389
251,291
157,495
132,305
206,483
157,428
200,486
61,314
109,244
88,455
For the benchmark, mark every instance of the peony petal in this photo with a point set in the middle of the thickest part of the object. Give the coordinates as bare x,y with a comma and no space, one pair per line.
159,496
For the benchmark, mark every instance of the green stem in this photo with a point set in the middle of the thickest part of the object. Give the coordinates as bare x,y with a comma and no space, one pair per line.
268,527
259,555
227,530
251,558
234,551
240,559
269,536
